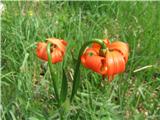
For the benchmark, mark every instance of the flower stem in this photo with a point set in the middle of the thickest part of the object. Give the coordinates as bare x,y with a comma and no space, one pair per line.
52,73
76,76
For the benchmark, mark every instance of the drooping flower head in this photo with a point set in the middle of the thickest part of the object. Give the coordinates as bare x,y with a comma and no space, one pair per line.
112,62
57,49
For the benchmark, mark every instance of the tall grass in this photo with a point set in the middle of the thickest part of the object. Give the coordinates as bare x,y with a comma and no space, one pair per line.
28,95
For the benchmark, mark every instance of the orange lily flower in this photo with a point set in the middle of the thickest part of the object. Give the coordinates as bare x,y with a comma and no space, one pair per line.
57,49
111,63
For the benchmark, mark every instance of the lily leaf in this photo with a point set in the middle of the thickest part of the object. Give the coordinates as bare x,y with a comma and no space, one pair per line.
76,80
64,87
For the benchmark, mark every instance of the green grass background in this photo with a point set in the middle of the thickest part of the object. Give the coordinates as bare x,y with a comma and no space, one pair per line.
28,95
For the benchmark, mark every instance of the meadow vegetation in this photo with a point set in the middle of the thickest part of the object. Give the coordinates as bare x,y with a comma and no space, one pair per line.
26,89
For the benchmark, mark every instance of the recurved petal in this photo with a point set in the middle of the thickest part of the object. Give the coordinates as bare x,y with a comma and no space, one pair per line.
120,47
91,51
109,62
115,63
59,43
119,62
96,47
64,42
115,60
93,62
41,50
56,56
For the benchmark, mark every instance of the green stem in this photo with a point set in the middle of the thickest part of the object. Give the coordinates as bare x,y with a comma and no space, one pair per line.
52,73
76,81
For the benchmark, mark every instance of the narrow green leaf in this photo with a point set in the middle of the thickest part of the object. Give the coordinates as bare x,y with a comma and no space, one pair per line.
76,81
54,82
64,87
